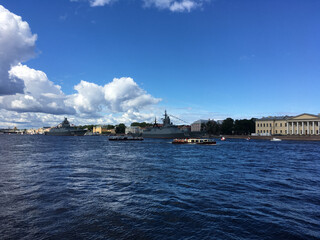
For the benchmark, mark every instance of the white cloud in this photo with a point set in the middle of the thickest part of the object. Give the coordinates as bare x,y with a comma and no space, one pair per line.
27,96
17,44
174,5
41,95
89,99
120,95
98,3
123,94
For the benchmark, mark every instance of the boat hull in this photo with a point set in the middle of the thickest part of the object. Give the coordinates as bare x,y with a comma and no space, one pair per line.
66,133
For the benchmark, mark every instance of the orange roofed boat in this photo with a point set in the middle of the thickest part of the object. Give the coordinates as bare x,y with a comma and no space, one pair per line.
201,141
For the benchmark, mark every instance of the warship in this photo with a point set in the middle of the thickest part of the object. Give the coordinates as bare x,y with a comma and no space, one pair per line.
167,130
65,129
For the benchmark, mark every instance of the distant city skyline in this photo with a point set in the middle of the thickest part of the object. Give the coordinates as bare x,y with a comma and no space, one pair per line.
113,61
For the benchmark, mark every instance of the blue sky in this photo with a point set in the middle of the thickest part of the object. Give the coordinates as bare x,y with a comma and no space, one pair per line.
222,58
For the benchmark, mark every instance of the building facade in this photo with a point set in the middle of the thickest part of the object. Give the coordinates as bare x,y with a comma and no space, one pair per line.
133,130
103,130
196,126
303,124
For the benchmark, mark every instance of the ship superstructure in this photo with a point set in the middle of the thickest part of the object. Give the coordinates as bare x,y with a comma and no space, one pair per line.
65,129
167,130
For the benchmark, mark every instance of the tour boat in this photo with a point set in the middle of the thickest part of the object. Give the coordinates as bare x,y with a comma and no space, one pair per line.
201,141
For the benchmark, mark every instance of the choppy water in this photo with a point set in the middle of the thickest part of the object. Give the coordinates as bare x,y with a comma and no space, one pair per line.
90,188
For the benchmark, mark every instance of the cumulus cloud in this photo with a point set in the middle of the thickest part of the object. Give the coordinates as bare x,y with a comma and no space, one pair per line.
123,94
41,95
120,95
17,44
28,96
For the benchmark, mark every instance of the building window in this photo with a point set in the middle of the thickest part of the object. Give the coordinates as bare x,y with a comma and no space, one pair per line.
285,124
264,131
285,131
264,124
276,131
280,131
276,124
280,124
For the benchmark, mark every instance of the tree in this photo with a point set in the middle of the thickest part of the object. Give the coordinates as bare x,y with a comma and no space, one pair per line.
110,127
212,127
121,128
244,126
142,125
227,126
89,127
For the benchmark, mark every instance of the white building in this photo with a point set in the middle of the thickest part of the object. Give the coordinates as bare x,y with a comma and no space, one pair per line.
196,126
133,130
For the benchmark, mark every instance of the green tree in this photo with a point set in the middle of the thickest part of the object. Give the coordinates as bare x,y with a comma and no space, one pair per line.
121,128
227,126
142,124
212,127
89,127
244,126
110,127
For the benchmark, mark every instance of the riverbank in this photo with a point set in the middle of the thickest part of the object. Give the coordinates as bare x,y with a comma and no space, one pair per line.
289,137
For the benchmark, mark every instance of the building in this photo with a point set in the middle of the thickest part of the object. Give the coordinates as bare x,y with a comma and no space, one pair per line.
196,126
303,124
133,130
102,130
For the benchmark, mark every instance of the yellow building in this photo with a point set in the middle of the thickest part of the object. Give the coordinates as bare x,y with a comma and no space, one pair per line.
303,124
102,130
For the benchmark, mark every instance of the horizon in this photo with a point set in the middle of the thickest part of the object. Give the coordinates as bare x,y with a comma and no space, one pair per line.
107,62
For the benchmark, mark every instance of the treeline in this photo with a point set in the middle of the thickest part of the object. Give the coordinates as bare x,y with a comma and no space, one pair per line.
90,127
230,127
142,124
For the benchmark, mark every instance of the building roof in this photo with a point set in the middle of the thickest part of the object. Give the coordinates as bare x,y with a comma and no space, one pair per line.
200,121
272,118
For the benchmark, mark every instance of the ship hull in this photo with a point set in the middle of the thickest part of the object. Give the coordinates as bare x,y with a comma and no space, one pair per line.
164,133
66,133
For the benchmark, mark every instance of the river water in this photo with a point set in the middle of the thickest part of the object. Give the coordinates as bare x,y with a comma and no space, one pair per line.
90,188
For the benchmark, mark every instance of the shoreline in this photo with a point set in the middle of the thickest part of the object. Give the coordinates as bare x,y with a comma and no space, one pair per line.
283,137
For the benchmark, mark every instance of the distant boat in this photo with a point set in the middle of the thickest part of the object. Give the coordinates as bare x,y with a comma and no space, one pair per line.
65,129
223,139
200,141
275,139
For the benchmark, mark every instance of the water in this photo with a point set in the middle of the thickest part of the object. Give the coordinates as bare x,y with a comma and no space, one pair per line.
90,188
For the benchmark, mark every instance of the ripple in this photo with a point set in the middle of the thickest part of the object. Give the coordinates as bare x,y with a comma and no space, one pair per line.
90,188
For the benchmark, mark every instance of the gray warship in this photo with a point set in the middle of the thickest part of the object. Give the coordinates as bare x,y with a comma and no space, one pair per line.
167,130
65,129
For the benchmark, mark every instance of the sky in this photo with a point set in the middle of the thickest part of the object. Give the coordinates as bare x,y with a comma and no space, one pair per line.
112,61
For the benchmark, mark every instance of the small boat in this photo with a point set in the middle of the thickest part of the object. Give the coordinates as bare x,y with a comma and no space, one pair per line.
248,138
223,139
201,141
125,138
275,140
